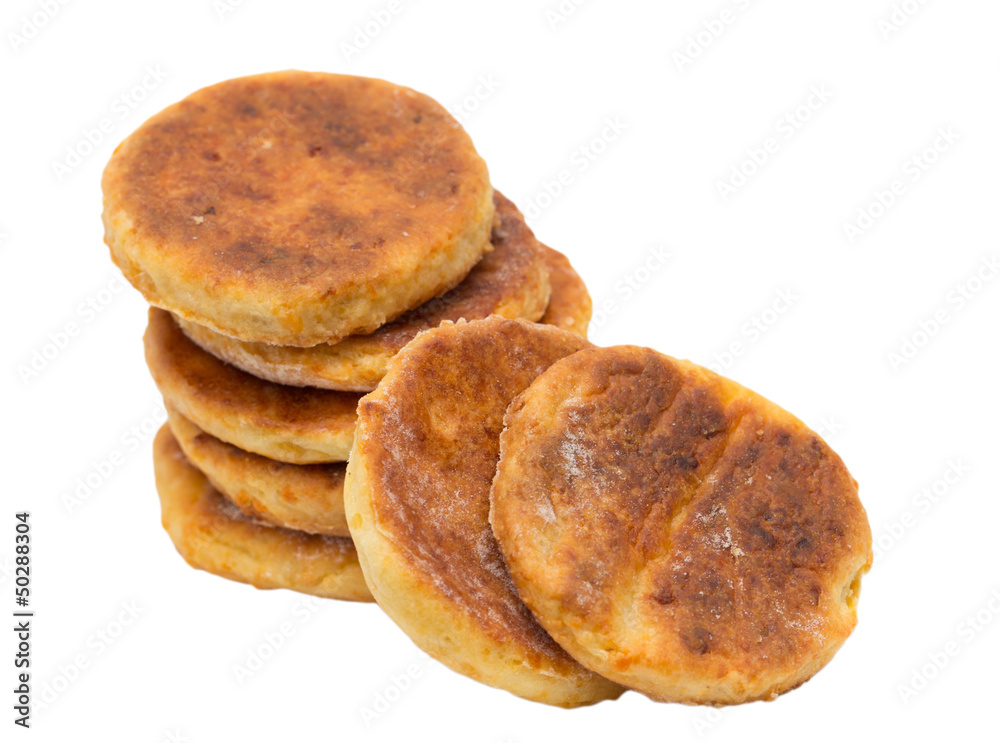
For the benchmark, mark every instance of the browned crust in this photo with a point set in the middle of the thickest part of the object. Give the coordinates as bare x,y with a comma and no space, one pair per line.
511,281
298,425
296,207
676,532
417,504
211,534
304,497
570,306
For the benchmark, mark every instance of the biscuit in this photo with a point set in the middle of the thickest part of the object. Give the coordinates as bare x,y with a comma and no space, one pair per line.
512,281
676,532
297,208
298,425
570,306
212,534
305,497
417,502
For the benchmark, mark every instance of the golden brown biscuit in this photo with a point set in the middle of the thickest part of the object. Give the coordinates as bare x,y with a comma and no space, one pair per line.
675,531
296,207
570,306
212,534
299,425
512,281
305,497
417,500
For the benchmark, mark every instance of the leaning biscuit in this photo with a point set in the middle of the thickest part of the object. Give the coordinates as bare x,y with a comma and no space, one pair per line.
676,532
298,425
297,208
417,501
211,534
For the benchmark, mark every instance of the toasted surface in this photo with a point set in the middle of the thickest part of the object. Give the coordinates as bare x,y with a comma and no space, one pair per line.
675,531
570,306
306,497
417,500
512,281
295,207
212,534
299,425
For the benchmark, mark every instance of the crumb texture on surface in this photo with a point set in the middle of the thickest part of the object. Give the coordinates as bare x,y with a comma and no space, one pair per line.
676,532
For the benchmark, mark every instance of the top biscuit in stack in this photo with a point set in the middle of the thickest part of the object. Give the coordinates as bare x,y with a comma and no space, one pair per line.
297,208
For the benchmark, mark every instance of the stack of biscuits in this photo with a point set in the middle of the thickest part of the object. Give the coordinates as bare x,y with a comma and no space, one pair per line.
379,388
293,231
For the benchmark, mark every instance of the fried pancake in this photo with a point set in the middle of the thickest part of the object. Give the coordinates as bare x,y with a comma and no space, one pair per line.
212,534
512,281
417,502
297,208
305,497
298,425
676,532
570,306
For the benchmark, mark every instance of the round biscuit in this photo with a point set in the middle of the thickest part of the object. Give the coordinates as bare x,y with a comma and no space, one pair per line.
297,207
512,281
212,534
304,497
417,502
676,532
298,425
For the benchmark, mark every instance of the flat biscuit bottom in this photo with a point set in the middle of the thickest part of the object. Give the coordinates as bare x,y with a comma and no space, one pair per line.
211,534
303,497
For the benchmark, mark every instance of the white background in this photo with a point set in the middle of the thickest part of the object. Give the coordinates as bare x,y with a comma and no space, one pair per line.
901,427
